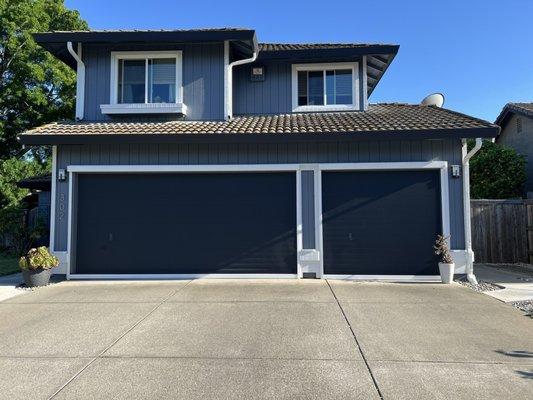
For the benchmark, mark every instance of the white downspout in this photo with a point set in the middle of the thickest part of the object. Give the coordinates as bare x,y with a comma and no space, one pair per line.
80,80
228,106
466,206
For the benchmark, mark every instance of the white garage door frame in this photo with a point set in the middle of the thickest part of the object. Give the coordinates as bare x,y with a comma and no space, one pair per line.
75,170
442,166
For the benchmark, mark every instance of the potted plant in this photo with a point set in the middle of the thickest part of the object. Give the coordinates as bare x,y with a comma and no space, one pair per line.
37,266
446,264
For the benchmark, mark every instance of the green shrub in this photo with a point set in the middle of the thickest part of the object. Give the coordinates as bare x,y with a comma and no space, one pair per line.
38,258
496,172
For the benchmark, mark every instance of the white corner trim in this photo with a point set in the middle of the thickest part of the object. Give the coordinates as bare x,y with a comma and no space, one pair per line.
354,66
144,108
53,195
299,222
365,84
132,55
460,258
63,258
80,79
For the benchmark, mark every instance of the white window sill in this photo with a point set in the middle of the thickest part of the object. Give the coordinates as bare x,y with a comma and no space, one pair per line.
144,108
347,107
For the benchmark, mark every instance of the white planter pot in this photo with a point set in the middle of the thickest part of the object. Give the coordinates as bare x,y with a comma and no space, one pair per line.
446,272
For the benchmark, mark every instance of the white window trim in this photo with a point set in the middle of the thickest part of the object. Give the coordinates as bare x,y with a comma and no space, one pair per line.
354,66
136,108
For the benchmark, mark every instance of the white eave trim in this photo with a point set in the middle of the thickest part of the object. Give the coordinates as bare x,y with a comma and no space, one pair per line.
144,108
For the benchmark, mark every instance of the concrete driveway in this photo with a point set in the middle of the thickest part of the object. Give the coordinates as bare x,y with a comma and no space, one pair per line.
231,339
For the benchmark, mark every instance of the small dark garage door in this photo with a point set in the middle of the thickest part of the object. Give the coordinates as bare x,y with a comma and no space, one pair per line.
381,222
186,223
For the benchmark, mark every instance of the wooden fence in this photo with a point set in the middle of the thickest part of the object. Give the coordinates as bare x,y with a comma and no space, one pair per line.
502,230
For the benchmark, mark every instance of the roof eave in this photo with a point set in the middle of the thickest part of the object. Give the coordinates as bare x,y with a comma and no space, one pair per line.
55,42
38,139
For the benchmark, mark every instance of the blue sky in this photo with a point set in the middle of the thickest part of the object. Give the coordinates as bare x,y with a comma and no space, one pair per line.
479,53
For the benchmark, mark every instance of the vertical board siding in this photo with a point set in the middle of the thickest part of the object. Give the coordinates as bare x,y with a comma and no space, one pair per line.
203,78
308,209
500,230
272,153
274,94
271,96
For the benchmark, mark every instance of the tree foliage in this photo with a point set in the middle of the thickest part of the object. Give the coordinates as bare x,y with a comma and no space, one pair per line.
496,172
35,88
13,170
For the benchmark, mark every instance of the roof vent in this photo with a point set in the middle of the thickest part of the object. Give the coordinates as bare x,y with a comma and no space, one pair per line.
435,99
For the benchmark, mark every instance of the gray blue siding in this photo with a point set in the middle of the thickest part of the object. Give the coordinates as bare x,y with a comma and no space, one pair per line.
203,79
308,209
271,153
271,96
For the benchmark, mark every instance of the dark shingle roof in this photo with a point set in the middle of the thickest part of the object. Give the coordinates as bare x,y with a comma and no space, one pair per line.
314,46
380,118
525,109
40,182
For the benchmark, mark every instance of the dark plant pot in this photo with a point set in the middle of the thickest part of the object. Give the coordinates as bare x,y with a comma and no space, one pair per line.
36,277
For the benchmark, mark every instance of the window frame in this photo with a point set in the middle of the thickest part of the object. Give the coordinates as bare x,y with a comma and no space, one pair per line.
353,66
116,56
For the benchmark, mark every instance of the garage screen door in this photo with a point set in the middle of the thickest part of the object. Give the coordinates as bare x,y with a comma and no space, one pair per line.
186,223
381,222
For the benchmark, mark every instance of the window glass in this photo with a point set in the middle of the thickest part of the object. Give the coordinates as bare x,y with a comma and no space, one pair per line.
302,88
162,80
343,87
333,86
315,88
131,81
330,87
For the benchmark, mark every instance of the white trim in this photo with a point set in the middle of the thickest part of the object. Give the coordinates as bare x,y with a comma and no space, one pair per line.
143,108
299,223
53,195
113,82
182,168
389,278
181,276
80,80
365,84
73,170
354,66
317,168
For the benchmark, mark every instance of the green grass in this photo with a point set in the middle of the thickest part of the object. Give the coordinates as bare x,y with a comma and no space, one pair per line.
8,265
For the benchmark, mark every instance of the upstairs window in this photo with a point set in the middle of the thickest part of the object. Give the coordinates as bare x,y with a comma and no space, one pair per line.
325,87
149,78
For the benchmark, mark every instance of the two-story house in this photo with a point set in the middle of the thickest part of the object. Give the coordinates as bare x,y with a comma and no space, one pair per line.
203,153
516,122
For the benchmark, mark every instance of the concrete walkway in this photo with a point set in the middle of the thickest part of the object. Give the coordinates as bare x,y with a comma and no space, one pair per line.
518,286
228,339
8,284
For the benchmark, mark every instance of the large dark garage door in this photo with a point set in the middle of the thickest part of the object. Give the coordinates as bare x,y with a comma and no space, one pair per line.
381,222
186,223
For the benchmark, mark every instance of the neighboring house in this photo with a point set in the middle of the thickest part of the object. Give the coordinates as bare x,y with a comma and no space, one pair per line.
37,204
516,122
203,153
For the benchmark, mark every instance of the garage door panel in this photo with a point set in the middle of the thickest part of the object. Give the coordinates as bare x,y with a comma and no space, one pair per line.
186,223
380,222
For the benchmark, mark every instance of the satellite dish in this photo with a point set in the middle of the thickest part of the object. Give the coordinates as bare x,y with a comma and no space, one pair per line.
435,99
